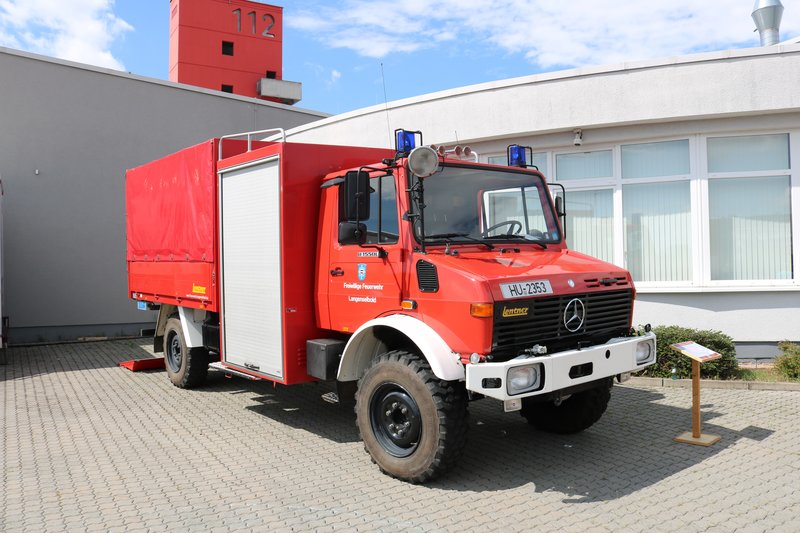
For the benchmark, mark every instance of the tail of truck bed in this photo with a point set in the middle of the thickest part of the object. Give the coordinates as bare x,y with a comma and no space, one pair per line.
247,222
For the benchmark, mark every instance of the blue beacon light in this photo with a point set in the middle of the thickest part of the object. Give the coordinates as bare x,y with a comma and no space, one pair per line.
516,156
405,141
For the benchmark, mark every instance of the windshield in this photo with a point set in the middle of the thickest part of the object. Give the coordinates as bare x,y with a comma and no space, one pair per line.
463,203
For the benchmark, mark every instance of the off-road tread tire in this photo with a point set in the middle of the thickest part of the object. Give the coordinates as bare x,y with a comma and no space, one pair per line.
194,366
575,414
450,401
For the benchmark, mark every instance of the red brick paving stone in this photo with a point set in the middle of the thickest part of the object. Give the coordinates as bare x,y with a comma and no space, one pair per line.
89,445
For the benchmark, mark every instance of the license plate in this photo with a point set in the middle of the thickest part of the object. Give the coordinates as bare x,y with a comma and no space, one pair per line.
526,289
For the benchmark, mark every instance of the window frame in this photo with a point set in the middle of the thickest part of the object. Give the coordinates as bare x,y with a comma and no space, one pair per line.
794,205
694,212
342,218
698,178
614,225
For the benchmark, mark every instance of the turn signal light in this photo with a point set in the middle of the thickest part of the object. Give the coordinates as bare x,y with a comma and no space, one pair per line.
408,305
481,310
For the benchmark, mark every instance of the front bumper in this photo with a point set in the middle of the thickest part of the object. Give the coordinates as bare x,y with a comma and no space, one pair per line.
563,369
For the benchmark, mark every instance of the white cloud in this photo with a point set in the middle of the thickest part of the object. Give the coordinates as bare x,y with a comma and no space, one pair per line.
549,34
321,73
78,30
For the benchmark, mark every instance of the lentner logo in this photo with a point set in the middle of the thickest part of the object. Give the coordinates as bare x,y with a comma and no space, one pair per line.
515,311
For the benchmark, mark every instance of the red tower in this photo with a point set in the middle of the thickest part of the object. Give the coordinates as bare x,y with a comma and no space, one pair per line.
234,46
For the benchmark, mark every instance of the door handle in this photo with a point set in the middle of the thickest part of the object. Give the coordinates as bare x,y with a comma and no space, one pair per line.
337,272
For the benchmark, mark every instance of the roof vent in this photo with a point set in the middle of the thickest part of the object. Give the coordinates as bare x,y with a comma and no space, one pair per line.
767,16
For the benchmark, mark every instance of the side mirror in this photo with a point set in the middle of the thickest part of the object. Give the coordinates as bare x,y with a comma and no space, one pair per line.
356,196
560,207
560,201
352,233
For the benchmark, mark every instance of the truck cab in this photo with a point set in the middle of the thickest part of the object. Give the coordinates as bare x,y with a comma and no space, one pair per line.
464,267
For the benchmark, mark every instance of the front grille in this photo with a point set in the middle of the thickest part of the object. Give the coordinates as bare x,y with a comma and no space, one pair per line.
520,324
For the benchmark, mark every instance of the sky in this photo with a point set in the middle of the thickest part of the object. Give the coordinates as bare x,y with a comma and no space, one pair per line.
350,54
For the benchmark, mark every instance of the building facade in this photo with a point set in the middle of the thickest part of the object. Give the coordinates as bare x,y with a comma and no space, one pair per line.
68,132
684,171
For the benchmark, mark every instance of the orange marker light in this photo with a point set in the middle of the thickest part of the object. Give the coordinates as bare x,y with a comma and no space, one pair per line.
481,310
408,305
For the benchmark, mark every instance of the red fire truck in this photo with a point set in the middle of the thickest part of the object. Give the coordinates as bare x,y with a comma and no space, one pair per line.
417,281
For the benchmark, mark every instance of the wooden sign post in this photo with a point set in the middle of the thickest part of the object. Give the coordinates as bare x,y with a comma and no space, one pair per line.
698,354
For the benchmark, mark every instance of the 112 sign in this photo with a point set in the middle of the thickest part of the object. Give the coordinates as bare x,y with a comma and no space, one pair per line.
268,19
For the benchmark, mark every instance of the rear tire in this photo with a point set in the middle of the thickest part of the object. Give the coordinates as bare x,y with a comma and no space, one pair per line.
573,415
413,424
186,367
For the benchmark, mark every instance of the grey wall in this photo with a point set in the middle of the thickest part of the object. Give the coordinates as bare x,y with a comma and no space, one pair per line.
64,228
755,320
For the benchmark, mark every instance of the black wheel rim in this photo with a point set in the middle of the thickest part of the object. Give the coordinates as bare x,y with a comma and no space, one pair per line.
395,420
174,353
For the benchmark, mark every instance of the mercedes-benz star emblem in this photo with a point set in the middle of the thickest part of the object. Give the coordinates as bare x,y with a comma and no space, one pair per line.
574,315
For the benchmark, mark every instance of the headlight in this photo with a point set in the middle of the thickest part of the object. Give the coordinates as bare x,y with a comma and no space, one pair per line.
644,352
423,161
522,378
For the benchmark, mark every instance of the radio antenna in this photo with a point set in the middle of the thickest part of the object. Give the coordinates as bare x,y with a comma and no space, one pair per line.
386,105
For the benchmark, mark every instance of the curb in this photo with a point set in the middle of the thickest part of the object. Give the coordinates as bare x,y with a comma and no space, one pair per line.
711,384
79,340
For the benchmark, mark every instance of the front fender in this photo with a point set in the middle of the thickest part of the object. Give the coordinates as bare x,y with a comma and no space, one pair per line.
364,345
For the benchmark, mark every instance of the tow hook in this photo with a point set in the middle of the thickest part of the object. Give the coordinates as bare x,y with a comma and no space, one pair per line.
558,399
536,349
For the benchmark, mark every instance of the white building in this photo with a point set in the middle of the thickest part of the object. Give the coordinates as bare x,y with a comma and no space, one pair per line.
687,174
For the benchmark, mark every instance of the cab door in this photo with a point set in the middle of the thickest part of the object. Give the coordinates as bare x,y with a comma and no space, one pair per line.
365,280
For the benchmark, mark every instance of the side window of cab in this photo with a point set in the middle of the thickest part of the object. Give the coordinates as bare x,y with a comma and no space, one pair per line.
382,226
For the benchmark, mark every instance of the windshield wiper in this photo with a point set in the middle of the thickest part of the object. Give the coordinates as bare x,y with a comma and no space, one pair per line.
530,238
447,236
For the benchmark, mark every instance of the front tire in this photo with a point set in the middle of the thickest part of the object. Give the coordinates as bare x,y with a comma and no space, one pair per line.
186,367
573,415
413,424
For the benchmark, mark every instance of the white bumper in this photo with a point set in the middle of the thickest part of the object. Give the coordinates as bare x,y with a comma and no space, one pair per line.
563,369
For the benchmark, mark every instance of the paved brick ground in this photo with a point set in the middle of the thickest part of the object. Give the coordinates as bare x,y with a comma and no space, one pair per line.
90,446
